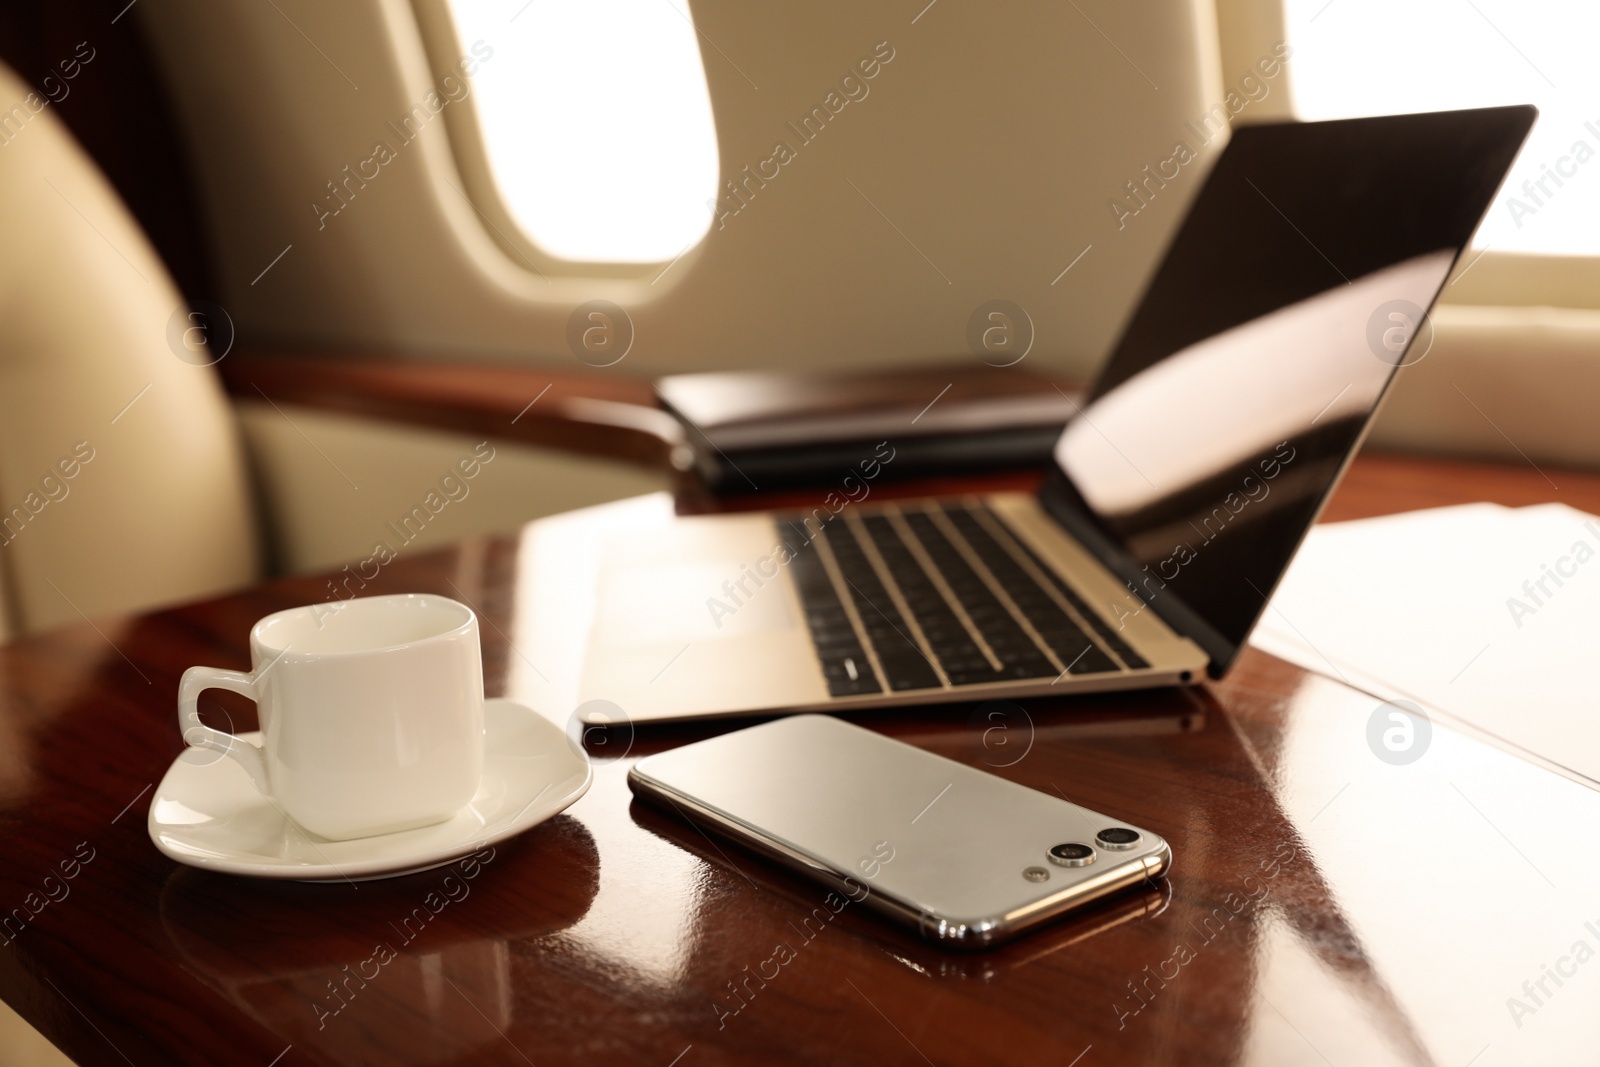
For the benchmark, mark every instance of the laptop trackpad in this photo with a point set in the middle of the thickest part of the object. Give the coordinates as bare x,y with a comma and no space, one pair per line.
698,579
685,624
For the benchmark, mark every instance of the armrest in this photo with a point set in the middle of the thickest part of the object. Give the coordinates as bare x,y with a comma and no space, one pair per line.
591,413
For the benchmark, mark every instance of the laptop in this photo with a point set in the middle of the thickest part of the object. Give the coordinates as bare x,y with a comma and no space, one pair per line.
1294,290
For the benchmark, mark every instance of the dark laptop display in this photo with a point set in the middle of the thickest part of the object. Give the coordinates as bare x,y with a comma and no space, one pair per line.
1255,360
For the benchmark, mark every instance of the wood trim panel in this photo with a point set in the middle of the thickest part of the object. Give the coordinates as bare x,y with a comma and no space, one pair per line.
594,413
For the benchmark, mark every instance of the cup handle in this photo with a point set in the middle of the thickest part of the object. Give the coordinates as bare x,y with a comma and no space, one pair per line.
197,680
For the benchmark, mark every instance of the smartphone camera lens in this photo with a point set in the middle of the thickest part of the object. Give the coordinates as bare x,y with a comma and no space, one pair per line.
1117,838
1072,854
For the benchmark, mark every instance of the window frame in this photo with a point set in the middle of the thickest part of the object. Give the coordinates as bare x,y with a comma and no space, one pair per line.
443,47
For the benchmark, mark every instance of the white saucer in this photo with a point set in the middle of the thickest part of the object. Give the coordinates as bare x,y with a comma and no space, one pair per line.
207,813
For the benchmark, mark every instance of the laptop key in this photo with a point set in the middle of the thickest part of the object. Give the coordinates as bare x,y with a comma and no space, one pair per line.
1083,656
1020,657
850,675
908,671
983,677
904,663
845,666
853,687
902,659
1061,632
1109,635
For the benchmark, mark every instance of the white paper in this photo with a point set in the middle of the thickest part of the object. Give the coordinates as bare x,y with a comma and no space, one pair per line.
1490,615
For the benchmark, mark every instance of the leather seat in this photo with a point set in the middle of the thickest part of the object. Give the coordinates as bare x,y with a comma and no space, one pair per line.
128,480
123,478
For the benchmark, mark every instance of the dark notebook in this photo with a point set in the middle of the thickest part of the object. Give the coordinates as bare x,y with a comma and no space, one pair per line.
763,430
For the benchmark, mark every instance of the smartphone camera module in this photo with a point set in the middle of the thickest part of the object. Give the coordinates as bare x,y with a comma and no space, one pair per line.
1117,838
1072,854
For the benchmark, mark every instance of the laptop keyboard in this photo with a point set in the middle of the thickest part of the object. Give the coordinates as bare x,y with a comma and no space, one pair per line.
931,595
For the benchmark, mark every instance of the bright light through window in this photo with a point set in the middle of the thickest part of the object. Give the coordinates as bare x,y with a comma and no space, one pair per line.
597,123
1372,57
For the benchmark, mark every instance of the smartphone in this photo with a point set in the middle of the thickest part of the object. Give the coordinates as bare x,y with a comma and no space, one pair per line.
963,857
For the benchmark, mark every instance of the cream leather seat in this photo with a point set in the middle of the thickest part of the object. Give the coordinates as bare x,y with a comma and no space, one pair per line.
123,480
127,478
103,505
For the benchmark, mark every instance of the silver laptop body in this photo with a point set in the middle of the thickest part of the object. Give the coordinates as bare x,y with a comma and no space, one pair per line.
1236,397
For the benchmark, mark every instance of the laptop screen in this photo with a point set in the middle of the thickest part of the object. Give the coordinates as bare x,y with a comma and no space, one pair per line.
1291,294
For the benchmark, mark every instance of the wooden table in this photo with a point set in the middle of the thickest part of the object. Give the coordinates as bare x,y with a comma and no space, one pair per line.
1325,907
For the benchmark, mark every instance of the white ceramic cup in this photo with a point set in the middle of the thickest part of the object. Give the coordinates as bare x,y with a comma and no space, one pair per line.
371,713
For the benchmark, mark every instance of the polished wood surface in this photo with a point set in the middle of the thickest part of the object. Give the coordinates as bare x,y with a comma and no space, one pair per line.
596,412
1324,907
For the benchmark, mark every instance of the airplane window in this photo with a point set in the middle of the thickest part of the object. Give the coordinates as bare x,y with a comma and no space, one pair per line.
597,123
1372,57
